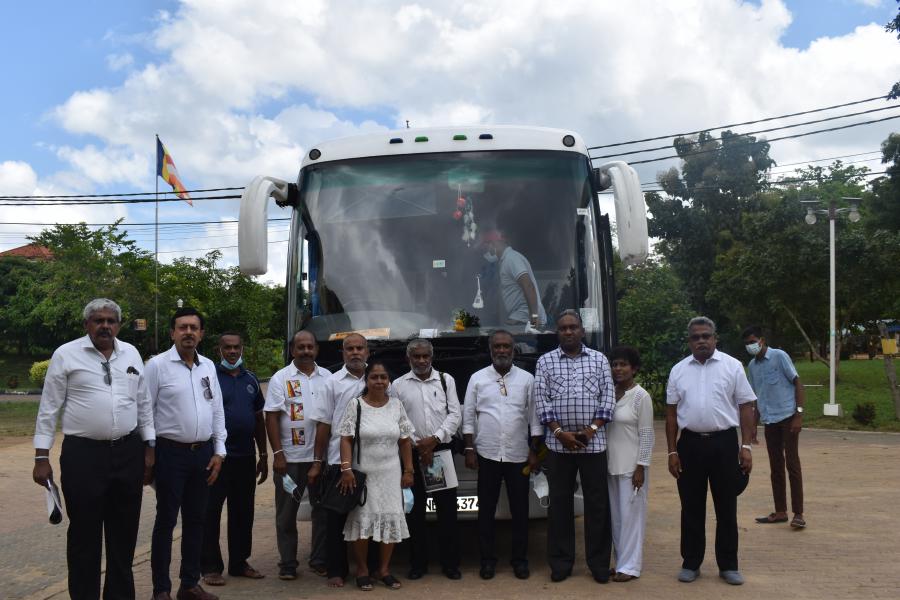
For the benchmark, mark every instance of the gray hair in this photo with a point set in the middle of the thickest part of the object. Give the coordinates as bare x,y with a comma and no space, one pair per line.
701,321
570,312
419,343
98,304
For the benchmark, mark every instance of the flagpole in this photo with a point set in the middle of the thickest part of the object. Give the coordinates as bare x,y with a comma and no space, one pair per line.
156,260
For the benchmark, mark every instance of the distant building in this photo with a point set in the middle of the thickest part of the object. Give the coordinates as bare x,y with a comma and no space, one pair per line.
29,252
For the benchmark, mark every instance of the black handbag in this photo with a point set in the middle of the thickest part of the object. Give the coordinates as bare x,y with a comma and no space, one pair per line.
327,493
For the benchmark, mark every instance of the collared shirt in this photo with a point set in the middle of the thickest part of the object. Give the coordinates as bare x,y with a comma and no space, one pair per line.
772,378
708,394
499,411
295,395
574,392
431,411
512,266
76,384
242,399
342,387
187,401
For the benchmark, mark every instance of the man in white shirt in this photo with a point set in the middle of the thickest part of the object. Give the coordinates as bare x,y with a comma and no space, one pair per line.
498,418
292,396
342,387
707,398
98,382
190,448
432,406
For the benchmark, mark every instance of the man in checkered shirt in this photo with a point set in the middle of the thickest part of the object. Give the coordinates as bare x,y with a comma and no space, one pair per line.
574,397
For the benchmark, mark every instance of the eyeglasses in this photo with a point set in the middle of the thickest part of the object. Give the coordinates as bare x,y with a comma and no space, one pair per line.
502,383
107,378
694,337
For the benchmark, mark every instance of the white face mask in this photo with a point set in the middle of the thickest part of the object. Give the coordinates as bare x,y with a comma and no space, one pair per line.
753,348
232,367
490,257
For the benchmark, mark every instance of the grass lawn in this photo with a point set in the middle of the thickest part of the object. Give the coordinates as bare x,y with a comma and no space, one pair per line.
17,418
858,381
13,365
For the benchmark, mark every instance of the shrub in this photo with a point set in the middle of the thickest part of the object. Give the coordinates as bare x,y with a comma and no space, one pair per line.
864,413
38,372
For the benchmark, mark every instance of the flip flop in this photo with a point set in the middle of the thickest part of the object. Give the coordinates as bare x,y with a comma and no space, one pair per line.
798,523
391,582
213,579
622,577
249,572
771,518
364,583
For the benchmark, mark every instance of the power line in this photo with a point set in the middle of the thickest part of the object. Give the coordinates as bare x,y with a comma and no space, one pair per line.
697,143
777,139
116,201
151,223
796,114
224,189
214,248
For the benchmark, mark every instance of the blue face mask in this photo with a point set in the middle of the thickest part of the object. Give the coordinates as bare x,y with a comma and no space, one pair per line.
232,367
490,257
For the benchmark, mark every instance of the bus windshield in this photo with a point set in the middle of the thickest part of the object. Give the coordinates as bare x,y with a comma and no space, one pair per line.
447,244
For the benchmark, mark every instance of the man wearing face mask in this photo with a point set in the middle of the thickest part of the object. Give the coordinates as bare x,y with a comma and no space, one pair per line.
519,291
243,402
780,400
432,406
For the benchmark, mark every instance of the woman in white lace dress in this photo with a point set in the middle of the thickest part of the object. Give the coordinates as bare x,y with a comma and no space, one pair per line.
629,444
383,428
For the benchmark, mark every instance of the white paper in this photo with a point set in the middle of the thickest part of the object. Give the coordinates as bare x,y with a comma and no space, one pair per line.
54,504
441,475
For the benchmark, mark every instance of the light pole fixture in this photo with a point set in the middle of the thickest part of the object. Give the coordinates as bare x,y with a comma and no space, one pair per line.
832,409
180,303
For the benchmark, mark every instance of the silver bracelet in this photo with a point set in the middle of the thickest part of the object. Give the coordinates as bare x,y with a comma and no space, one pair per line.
41,458
345,470
277,451
671,453
556,432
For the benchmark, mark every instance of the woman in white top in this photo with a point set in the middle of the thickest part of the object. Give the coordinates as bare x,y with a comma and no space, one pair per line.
629,443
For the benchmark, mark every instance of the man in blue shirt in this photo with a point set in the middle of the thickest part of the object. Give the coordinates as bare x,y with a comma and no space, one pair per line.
243,403
780,400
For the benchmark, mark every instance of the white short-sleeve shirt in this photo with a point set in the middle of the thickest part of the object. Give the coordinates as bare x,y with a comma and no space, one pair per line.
707,395
294,395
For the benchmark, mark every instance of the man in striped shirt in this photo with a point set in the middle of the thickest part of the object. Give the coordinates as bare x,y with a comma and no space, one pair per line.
574,395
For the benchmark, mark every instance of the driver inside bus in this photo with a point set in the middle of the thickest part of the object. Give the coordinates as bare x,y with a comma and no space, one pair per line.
519,297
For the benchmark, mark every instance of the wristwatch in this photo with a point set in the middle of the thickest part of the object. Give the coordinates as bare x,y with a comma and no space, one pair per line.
595,427
800,410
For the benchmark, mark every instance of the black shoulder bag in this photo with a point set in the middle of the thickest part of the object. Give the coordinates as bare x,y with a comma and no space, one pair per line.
327,493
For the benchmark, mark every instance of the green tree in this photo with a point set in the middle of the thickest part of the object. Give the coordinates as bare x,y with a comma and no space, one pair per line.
653,311
884,203
893,26
699,217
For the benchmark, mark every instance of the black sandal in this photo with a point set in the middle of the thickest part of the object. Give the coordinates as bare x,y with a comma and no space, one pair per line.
391,582
364,583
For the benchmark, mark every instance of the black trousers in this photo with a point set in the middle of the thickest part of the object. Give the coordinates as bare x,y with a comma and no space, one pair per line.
448,534
102,486
336,562
286,521
490,474
237,486
562,469
180,485
708,460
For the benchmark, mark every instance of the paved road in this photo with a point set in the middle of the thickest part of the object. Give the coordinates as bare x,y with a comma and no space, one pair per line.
849,550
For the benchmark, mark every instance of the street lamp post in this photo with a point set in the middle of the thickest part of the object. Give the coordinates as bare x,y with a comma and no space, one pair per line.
832,409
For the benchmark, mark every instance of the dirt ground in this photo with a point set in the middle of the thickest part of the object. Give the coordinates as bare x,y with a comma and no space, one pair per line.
849,550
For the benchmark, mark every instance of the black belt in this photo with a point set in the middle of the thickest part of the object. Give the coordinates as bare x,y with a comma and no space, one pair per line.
706,434
109,443
185,445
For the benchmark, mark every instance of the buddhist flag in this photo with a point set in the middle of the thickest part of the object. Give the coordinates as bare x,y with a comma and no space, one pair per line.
165,168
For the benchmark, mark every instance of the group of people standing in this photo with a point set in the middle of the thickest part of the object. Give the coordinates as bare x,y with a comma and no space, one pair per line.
198,431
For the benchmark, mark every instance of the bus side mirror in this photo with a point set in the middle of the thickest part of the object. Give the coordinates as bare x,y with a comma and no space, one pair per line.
253,242
631,212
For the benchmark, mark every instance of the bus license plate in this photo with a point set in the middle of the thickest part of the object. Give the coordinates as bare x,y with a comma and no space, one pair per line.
463,504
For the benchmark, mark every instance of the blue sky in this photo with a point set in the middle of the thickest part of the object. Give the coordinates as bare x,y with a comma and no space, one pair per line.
237,89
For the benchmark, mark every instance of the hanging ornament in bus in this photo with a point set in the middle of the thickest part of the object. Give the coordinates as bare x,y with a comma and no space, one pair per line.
465,211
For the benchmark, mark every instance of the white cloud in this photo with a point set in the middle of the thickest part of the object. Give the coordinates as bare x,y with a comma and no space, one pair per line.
118,62
245,88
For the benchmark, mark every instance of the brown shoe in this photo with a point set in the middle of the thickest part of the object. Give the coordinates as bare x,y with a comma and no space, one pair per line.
161,596
194,593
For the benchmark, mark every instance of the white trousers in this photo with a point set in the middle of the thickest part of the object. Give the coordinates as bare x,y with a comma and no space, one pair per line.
629,518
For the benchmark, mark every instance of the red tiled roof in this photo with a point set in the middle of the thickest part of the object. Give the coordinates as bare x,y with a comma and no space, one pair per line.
32,251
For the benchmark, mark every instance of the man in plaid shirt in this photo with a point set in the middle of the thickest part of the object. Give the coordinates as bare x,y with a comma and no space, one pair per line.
574,397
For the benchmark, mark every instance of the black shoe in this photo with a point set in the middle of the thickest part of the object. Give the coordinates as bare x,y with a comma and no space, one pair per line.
415,573
521,572
557,576
453,573
601,577
487,571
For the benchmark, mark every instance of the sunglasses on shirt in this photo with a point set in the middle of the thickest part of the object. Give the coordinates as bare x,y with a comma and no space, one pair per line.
207,391
107,377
